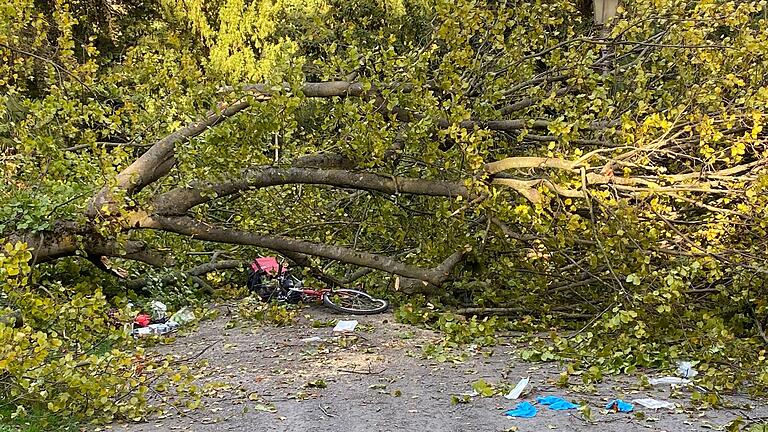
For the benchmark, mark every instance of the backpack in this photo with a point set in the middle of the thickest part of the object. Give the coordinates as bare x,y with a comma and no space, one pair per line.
270,280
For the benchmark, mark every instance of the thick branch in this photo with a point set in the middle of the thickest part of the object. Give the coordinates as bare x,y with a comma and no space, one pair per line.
159,159
697,182
318,89
443,272
302,260
46,245
156,162
528,162
357,274
201,231
527,188
66,238
216,266
178,201
517,311
446,267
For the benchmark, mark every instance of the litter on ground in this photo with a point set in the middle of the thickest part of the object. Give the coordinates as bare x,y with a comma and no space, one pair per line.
668,380
345,326
618,405
518,390
523,410
654,403
685,369
556,403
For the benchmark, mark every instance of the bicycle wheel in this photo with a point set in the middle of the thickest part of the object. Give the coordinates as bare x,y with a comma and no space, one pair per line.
354,302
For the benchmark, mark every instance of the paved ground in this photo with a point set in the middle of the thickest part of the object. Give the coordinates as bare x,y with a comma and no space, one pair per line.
380,382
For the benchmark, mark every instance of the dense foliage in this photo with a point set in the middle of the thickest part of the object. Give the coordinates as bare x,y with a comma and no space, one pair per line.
606,179
72,359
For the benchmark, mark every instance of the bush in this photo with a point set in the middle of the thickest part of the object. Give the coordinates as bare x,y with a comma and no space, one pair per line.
70,358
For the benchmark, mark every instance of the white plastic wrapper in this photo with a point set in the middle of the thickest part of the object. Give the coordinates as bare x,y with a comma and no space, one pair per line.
518,390
345,326
685,369
668,380
654,403
183,316
158,310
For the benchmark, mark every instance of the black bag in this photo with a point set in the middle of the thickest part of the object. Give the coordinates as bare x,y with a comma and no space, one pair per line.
275,285
258,284
287,294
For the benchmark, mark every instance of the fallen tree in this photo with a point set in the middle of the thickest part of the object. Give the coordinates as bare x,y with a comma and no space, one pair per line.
513,155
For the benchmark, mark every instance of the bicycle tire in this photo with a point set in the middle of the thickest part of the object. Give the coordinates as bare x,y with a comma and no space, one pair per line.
360,302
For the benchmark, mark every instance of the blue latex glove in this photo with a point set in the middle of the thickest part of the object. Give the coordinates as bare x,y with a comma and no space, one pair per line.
620,406
523,409
556,403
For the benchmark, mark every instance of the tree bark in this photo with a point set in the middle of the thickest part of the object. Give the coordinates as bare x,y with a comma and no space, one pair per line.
156,162
443,272
302,260
66,238
178,201
509,311
201,231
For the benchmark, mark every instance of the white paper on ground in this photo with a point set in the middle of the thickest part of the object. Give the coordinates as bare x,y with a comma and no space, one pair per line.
668,380
313,339
518,390
345,326
654,403
158,309
685,369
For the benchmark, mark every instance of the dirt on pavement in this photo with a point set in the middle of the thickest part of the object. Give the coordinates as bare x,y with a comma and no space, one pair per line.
380,381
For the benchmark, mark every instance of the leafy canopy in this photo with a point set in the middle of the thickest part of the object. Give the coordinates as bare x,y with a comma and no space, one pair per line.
647,221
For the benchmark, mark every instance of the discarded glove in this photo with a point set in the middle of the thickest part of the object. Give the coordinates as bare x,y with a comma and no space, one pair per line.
556,403
523,409
619,405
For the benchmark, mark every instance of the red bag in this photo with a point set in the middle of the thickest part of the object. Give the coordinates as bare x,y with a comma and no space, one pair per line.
142,320
268,265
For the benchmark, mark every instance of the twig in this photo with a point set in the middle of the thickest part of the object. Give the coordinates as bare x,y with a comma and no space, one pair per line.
56,66
592,321
758,324
166,401
106,144
595,233
357,335
322,408
369,372
201,352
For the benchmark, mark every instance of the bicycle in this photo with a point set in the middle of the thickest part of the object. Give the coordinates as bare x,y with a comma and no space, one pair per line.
289,289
